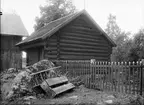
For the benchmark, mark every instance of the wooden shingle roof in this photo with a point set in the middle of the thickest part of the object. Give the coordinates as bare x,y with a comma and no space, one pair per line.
11,24
54,26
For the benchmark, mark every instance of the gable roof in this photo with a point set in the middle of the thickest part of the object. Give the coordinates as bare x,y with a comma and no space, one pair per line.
11,24
54,26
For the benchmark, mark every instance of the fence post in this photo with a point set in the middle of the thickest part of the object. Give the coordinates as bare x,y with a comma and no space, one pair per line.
141,83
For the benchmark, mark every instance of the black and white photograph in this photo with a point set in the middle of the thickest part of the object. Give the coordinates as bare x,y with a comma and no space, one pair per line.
72,52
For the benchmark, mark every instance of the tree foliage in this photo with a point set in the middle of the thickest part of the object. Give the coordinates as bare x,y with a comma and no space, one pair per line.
136,51
119,37
112,29
127,49
53,10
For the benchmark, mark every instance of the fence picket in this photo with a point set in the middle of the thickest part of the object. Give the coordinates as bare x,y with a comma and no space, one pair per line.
137,77
132,78
141,77
122,78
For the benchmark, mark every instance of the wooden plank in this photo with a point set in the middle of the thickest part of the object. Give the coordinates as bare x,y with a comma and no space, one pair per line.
45,70
58,80
62,88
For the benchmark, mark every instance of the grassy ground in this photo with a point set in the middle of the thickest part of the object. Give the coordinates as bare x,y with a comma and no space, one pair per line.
85,96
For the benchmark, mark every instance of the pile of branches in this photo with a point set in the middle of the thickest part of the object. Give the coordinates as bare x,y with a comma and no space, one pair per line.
19,82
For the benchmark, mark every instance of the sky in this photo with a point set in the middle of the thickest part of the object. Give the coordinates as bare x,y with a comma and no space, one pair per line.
129,13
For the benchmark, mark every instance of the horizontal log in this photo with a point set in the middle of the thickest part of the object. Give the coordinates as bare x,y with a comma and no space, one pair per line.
83,39
81,28
98,47
68,49
82,58
82,54
88,51
52,53
81,25
51,48
78,51
81,42
81,35
50,56
76,31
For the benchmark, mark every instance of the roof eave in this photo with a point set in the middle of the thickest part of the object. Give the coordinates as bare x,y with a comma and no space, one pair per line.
21,43
29,42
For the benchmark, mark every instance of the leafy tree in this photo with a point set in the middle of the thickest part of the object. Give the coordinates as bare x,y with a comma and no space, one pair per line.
53,10
119,37
112,29
136,51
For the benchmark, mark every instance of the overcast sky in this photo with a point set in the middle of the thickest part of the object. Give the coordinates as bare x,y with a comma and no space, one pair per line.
129,13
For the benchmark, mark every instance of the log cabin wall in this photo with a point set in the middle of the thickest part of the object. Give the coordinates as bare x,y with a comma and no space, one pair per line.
50,50
78,40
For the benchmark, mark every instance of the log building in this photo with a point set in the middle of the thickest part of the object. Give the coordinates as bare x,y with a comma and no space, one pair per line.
73,37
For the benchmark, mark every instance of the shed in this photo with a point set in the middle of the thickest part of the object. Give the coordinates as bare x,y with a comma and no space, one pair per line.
12,31
73,37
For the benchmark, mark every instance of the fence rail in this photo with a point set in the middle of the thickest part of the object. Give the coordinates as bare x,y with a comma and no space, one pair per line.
125,77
